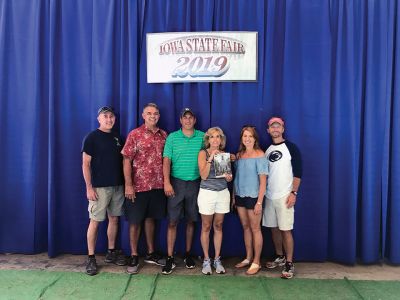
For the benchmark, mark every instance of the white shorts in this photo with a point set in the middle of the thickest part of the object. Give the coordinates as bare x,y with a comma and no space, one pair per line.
276,214
211,202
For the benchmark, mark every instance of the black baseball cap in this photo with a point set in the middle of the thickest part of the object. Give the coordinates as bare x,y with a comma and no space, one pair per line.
187,110
105,109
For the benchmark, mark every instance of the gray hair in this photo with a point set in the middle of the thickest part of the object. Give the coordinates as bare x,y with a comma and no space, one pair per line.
151,104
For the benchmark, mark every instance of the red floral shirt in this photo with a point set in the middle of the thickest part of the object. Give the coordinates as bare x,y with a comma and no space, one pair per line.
145,148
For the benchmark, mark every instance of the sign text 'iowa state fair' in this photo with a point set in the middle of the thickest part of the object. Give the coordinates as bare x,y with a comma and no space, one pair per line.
201,56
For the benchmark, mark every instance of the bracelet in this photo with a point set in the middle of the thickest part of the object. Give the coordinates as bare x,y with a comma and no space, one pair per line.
209,162
259,203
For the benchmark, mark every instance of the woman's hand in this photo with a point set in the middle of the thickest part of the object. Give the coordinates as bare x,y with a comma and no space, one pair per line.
212,154
258,208
228,177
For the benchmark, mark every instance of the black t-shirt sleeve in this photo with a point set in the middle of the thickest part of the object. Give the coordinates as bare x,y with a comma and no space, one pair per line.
297,165
88,145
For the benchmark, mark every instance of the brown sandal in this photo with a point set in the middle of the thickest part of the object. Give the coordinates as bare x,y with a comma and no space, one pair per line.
254,268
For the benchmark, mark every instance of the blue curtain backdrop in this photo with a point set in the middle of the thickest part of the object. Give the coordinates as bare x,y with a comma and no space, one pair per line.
330,68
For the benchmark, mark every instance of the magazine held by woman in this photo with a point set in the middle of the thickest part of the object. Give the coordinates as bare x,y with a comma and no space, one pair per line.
222,164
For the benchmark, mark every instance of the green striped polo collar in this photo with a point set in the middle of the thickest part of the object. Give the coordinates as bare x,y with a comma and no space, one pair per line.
195,133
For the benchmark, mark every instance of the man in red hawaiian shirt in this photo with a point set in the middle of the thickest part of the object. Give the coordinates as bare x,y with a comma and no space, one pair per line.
144,184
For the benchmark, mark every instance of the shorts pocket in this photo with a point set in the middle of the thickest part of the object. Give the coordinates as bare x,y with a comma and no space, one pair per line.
92,206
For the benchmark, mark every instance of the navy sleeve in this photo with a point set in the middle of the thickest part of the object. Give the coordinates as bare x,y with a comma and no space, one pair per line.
87,145
297,165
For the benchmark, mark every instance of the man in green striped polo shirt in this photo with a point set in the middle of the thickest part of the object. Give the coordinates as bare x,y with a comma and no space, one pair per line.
181,183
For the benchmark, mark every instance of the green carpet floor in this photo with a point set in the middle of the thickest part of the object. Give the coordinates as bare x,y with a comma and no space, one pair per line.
18,284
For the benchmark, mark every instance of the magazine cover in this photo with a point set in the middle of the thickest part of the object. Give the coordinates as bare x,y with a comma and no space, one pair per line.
222,164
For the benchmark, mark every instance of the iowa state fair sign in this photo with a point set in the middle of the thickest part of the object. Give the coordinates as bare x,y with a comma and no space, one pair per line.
201,56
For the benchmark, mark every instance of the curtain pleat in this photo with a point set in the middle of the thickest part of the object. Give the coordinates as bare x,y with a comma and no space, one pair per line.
329,68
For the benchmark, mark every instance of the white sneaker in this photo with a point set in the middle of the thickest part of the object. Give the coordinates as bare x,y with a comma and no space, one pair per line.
219,268
288,271
278,262
206,267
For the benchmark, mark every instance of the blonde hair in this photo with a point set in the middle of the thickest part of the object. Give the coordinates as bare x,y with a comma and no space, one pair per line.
209,133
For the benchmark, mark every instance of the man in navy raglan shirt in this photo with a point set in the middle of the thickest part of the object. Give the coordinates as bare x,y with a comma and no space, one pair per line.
285,170
103,174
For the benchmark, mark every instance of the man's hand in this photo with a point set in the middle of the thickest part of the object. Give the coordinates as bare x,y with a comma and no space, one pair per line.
130,192
91,194
169,190
291,200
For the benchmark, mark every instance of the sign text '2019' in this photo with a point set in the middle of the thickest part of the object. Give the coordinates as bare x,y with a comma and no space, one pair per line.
201,66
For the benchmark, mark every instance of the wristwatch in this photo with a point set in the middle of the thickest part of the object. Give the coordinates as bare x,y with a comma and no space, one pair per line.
294,193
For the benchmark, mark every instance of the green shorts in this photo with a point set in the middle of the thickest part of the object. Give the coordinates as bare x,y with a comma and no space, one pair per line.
109,200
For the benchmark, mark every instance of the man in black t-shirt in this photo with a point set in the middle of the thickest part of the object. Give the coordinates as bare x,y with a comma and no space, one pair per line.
103,174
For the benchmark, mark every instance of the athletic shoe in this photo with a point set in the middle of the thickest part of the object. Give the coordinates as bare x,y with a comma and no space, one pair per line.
91,266
279,261
115,257
206,267
288,271
189,262
169,266
219,268
155,259
133,265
